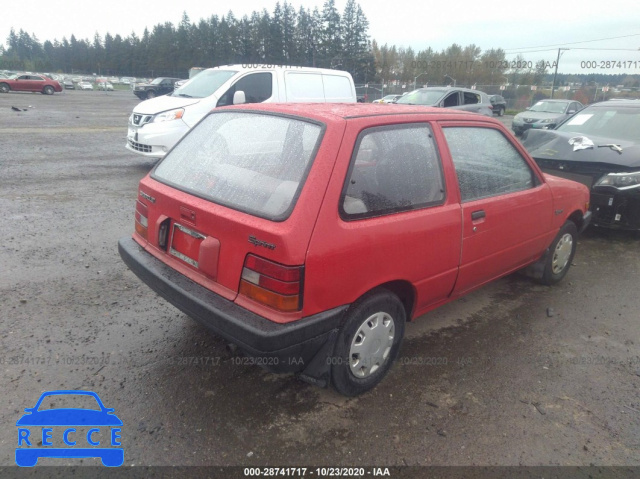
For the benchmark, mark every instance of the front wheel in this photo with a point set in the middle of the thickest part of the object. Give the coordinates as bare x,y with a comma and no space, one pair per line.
4,88
501,112
48,90
561,253
151,94
368,343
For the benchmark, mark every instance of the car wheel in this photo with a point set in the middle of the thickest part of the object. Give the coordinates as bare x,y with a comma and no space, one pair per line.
4,88
151,94
368,342
561,253
500,111
48,90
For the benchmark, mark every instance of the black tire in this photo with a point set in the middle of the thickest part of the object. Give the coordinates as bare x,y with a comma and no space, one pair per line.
379,309
48,90
501,112
4,88
151,94
561,253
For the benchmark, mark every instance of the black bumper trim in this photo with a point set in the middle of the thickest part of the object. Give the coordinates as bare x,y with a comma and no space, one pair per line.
252,333
586,219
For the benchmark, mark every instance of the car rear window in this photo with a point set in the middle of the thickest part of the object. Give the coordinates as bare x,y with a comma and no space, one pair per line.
248,161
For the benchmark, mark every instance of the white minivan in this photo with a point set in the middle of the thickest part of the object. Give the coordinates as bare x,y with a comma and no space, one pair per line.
157,124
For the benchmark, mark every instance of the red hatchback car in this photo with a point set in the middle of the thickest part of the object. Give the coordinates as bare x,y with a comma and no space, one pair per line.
309,235
33,83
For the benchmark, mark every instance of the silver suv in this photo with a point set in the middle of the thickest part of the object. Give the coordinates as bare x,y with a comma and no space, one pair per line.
449,97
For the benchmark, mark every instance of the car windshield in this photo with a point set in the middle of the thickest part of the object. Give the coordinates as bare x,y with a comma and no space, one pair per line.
68,401
616,122
157,81
549,107
421,97
204,84
247,161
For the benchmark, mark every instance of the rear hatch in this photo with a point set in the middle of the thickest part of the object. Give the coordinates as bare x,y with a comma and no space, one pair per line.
219,207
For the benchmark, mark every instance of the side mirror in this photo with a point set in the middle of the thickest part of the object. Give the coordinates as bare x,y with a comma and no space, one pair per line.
570,112
239,98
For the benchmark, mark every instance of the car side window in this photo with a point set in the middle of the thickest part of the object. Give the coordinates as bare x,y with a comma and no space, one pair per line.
393,168
257,87
471,98
486,163
451,100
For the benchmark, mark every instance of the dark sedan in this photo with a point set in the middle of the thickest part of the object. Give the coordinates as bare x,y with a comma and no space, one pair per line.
599,147
33,83
159,86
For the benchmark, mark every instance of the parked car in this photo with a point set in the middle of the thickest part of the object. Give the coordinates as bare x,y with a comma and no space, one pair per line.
157,124
159,86
30,82
299,234
387,99
545,114
105,86
600,147
68,85
499,104
85,85
446,97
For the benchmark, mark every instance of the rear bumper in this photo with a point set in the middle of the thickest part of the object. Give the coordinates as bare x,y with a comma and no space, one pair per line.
303,346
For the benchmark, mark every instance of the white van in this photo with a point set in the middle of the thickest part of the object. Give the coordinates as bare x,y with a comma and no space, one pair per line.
157,124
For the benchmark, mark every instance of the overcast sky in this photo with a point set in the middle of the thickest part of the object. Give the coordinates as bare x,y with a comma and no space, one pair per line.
487,24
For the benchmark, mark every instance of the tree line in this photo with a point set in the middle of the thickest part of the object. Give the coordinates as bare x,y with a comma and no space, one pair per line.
322,38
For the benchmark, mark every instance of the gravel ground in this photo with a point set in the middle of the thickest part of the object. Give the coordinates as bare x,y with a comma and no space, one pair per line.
513,374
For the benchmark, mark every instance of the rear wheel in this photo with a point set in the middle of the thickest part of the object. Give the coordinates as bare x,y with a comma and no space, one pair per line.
561,253
151,94
48,90
368,343
4,88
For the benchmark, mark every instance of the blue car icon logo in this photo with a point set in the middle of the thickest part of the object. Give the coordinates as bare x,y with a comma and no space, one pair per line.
69,432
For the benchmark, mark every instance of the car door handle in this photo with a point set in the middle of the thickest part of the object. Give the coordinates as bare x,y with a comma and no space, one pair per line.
478,215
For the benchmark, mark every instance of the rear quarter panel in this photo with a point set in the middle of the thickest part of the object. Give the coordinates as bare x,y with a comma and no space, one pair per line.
346,259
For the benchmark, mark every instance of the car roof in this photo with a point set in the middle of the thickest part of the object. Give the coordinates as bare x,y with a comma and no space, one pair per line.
446,88
556,101
332,112
271,67
616,102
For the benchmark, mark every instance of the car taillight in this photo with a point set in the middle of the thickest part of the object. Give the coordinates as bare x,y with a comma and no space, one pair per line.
272,284
141,219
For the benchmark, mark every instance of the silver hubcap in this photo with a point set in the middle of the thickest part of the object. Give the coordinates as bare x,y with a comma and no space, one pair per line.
562,254
371,344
